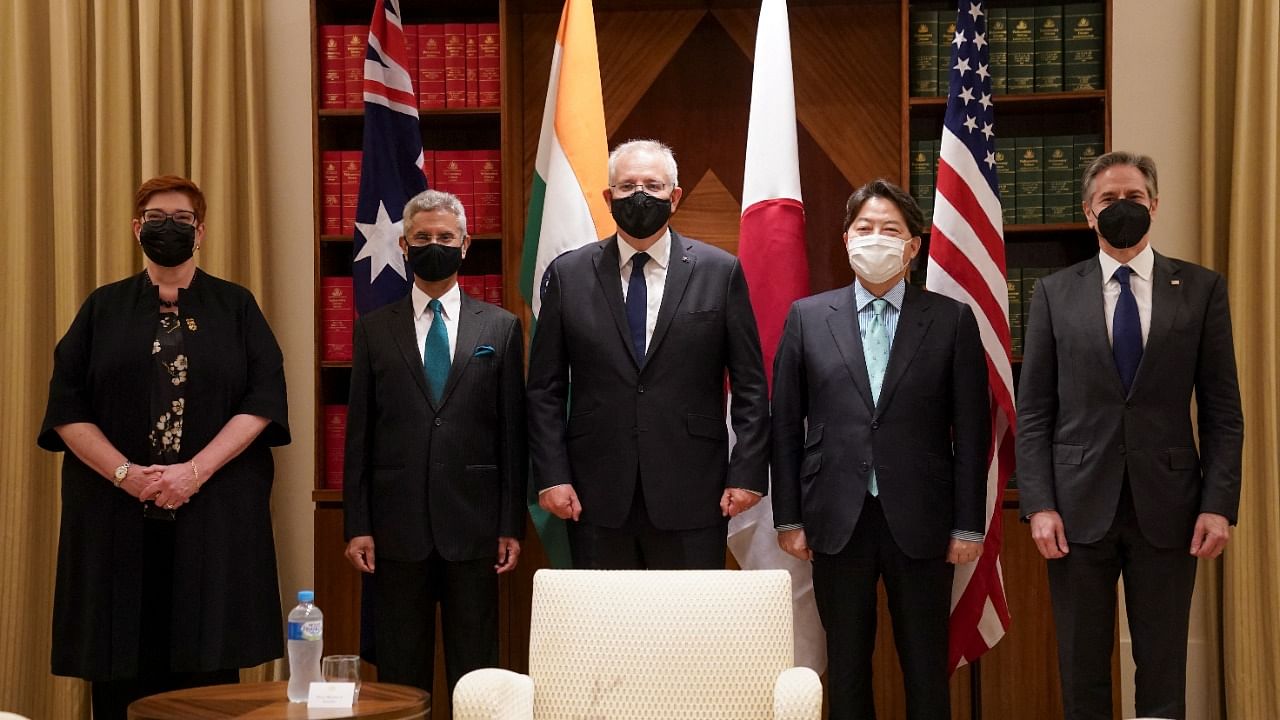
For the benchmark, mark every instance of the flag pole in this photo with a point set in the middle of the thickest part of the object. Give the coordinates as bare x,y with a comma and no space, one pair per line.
975,689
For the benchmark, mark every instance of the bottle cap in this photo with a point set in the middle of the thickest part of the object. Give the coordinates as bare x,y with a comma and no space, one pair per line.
306,596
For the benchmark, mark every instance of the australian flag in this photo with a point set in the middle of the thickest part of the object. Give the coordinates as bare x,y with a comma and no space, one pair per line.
392,170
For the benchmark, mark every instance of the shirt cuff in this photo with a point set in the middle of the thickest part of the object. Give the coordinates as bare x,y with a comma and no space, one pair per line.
789,526
553,487
967,535
757,493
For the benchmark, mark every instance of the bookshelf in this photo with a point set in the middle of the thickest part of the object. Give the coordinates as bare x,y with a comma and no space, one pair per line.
338,124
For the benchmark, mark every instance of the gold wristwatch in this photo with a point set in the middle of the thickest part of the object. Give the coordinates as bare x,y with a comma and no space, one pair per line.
121,473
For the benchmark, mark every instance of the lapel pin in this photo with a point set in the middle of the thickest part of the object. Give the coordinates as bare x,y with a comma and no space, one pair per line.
684,258
1175,282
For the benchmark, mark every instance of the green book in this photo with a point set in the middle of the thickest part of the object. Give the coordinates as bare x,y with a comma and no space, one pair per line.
924,57
946,33
1029,176
1013,277
997,45
1087,149
1059,178
1048,48
1083,49
922,176
1029,277
1005,173
1021,51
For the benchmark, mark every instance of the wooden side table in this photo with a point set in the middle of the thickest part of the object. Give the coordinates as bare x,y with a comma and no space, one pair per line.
269,701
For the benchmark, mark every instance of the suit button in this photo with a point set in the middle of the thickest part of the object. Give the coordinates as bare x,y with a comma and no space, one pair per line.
640,389
1121,448
438,422
875,425
866,467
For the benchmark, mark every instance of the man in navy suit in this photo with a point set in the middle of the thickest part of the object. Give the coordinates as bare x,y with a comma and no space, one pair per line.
434,491
646,326
1108,472
881,425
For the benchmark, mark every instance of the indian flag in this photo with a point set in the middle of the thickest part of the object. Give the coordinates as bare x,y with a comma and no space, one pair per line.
566,210
566,206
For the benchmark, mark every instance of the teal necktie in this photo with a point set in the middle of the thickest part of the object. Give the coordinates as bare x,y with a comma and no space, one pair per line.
435,352
875,347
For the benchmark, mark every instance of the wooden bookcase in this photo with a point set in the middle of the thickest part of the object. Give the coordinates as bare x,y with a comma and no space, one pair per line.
680,71
337,584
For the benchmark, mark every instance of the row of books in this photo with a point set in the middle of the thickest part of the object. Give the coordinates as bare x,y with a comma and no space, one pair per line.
1022,283
338,309
451,65
475,176
1039,177
1043,49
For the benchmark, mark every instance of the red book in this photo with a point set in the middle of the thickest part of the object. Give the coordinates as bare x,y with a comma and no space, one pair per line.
487,189
337,301
490,66
335,438
429,167
411,57
431,66
354,39
331,192
473,65
454,169
351,160
336,339
333,87
472,285
455,65
493,289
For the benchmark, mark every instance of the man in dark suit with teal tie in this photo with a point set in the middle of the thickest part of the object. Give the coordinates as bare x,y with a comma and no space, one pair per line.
434,491
1108,470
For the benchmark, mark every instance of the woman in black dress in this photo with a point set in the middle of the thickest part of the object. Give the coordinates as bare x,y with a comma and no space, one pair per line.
167,393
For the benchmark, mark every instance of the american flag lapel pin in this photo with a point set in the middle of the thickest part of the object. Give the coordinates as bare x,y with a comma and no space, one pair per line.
1175,282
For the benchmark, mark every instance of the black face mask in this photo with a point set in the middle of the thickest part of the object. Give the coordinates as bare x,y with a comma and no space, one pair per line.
640,214
434,261
1124,223
167,243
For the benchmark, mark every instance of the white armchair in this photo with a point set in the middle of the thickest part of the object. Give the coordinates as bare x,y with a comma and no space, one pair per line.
652,644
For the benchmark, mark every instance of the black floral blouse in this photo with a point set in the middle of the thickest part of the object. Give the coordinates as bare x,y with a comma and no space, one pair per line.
168,390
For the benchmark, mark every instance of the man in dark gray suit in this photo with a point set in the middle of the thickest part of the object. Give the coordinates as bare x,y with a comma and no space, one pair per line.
646,325
881,424
1108,471
435,456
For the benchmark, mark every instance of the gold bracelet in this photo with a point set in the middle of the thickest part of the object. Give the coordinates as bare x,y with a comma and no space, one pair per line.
195,473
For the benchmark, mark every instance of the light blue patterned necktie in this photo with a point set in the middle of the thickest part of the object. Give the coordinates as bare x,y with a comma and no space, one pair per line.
435,352
876,349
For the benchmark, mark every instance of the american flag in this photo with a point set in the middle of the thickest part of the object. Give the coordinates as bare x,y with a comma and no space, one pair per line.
966,262
392,169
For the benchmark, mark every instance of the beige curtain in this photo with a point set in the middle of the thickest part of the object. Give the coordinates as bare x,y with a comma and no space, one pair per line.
1241,161
98,96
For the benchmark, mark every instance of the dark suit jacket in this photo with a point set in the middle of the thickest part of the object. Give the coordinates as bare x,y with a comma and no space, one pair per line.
1078,434
927,437
664,420
450,476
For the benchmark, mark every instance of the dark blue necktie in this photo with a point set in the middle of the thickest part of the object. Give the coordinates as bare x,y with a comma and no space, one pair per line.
1126,330
638,303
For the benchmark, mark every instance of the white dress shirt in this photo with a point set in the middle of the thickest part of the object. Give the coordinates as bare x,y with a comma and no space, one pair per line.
1142,267
451,307
655,277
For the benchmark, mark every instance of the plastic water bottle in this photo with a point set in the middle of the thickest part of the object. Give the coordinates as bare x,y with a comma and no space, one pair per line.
306,644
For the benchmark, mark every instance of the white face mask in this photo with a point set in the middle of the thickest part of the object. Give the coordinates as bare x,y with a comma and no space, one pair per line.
876,258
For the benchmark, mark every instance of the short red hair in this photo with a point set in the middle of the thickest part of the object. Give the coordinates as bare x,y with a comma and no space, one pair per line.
169,183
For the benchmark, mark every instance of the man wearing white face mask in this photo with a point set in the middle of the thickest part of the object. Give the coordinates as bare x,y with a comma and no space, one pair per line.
880,434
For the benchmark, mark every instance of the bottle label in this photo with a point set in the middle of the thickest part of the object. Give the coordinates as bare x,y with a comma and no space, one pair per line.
310,630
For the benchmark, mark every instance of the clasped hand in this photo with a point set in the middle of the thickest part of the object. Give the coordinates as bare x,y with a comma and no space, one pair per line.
168,486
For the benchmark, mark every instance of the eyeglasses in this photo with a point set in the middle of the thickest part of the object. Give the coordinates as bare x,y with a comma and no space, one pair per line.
182,217
653,188
426,239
